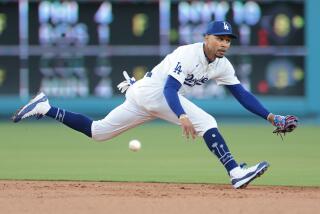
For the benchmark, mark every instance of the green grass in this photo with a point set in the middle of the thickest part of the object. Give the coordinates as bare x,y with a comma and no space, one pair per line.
49,151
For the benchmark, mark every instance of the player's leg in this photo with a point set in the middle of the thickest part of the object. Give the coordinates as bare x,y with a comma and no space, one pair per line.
120,119
206,127
240,176
76,121
39,106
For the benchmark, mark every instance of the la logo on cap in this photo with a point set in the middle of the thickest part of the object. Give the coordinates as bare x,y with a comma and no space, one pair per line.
225,26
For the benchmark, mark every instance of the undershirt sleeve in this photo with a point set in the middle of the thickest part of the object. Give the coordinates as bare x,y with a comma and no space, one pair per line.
170,92
248,100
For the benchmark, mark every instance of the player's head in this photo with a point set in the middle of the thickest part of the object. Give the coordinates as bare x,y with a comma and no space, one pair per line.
219,28
217,38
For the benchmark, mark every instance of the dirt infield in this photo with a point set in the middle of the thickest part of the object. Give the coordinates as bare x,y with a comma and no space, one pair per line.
116,197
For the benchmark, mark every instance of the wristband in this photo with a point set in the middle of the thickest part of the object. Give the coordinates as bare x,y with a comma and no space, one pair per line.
183,116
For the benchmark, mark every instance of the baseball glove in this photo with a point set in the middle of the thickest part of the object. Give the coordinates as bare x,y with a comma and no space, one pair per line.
285,124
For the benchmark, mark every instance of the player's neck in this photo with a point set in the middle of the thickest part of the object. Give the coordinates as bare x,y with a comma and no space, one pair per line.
208,57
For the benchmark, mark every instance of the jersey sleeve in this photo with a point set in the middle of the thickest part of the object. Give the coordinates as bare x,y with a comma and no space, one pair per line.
227,75
179,65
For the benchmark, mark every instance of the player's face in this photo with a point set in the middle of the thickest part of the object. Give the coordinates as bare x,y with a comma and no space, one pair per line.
217,46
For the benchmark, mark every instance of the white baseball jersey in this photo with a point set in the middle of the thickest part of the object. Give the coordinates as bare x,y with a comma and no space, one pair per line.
190,67
145,100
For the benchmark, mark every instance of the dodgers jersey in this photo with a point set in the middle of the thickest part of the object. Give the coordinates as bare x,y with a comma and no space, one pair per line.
188,65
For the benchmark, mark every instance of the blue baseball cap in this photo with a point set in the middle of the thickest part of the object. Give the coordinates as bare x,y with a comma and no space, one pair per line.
220,28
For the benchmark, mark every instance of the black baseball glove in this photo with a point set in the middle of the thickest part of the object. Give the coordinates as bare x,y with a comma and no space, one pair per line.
285,124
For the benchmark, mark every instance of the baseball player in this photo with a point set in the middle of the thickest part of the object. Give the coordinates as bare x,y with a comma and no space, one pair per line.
160,94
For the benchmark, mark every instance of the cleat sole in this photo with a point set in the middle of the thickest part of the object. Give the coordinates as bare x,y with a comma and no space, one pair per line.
261,172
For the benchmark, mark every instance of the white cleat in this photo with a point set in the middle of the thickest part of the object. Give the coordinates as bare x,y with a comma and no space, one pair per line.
241,177
38,106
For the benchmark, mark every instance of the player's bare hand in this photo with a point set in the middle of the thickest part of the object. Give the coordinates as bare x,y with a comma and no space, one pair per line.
187,127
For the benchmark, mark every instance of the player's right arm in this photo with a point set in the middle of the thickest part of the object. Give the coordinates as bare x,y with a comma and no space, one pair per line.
170,92
177,71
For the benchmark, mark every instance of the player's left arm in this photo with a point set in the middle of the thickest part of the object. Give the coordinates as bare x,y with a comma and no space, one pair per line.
250,102
228,78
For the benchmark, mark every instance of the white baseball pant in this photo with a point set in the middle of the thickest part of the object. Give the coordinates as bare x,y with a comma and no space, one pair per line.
145,103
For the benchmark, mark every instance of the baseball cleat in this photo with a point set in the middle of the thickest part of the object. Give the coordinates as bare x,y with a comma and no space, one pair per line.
241,177
38,106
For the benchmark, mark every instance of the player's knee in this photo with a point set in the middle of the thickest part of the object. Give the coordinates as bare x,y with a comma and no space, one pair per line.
100,138
207,123
210,121
97,138
100,131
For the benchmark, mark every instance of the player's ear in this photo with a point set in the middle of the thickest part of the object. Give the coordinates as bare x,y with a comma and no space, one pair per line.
205,38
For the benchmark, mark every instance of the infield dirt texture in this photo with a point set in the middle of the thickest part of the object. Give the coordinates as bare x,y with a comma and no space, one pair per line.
30,197
46,168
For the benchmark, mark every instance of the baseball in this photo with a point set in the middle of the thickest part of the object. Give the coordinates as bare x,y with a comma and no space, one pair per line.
134,145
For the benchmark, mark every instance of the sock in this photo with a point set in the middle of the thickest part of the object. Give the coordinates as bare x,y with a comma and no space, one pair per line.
75,121
217,145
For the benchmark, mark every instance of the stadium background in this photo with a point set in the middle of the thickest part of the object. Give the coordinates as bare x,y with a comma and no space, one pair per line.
75,51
